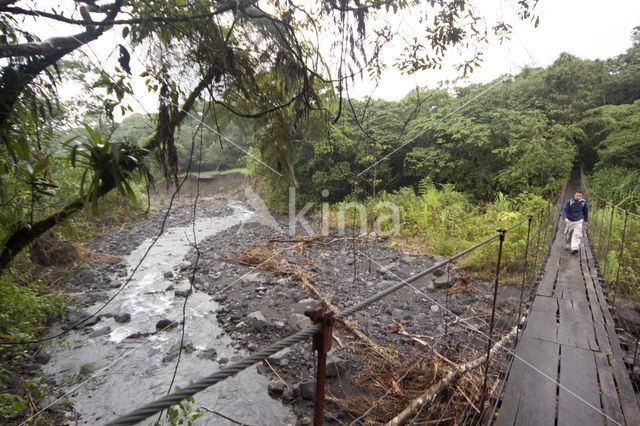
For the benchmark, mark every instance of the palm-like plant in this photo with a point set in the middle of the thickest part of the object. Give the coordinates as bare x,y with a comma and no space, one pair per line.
107,165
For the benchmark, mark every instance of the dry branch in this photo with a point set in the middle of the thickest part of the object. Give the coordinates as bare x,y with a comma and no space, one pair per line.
269,261
433,391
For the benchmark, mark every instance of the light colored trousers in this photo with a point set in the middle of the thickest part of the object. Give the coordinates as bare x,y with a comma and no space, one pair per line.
573,230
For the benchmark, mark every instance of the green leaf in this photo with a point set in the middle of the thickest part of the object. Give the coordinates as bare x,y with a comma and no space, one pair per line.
40,166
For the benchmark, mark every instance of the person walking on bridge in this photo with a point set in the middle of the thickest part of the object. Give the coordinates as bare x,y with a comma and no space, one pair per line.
575,213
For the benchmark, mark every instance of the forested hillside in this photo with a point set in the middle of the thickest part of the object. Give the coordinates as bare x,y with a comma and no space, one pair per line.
516,134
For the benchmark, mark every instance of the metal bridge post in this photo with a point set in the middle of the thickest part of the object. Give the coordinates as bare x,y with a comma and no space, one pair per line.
624,233
493,315
544,234
535,261
602,216
322,344
606,251
524,275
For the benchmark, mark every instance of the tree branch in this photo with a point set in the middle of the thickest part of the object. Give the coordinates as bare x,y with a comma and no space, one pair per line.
232,5
14,79
45,47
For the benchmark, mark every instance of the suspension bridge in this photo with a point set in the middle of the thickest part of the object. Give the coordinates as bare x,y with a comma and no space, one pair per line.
569,366
560,361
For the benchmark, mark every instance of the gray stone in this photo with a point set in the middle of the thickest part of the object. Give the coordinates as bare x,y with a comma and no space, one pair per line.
298,322
209,353
349,261
388,270
439,272
399,315
276,388
278,324
278,356
111,284
42,357
444,282
306,389
168,274
81,319
122,318
335,367
186,346
253,278
308,301
165,324
100,332
456,311
435,308
408,260
223,360
220,297
257,320
183,293
305,421
170,356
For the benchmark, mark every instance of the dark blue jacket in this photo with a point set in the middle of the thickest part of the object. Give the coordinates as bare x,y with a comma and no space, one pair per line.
575,210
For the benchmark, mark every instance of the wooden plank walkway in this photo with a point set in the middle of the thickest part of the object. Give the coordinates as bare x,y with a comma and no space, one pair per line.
568,368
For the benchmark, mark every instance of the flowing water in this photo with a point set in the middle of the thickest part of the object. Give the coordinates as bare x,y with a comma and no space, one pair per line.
130,372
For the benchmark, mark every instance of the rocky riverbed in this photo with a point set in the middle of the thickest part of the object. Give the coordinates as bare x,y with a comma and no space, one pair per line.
124,356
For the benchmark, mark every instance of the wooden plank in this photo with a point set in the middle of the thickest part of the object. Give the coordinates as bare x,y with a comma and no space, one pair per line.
570,284
545,304
576,325
579,396
545,288
530,392
608,319
608,391
542,325
627,396
548,281
596,311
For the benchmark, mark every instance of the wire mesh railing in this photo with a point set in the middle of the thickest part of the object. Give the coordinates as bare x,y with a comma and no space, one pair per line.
615,239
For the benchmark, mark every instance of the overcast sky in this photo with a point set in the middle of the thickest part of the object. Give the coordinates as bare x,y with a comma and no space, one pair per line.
589,29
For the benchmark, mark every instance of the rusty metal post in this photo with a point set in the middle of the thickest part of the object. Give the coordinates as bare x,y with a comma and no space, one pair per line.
322,344
604,211
493,315
535,261
606,251
544,235
524,275
624,233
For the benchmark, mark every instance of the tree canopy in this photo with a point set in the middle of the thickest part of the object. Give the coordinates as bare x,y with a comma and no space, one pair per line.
257,60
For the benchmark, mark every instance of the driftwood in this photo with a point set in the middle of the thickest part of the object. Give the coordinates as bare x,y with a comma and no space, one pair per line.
353,328
433,391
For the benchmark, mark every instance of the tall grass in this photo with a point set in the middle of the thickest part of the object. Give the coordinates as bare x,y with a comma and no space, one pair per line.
619,185
444,222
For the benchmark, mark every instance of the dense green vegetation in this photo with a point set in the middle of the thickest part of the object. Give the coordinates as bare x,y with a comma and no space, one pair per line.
232,78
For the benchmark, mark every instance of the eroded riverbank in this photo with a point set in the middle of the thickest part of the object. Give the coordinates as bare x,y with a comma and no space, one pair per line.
243,303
